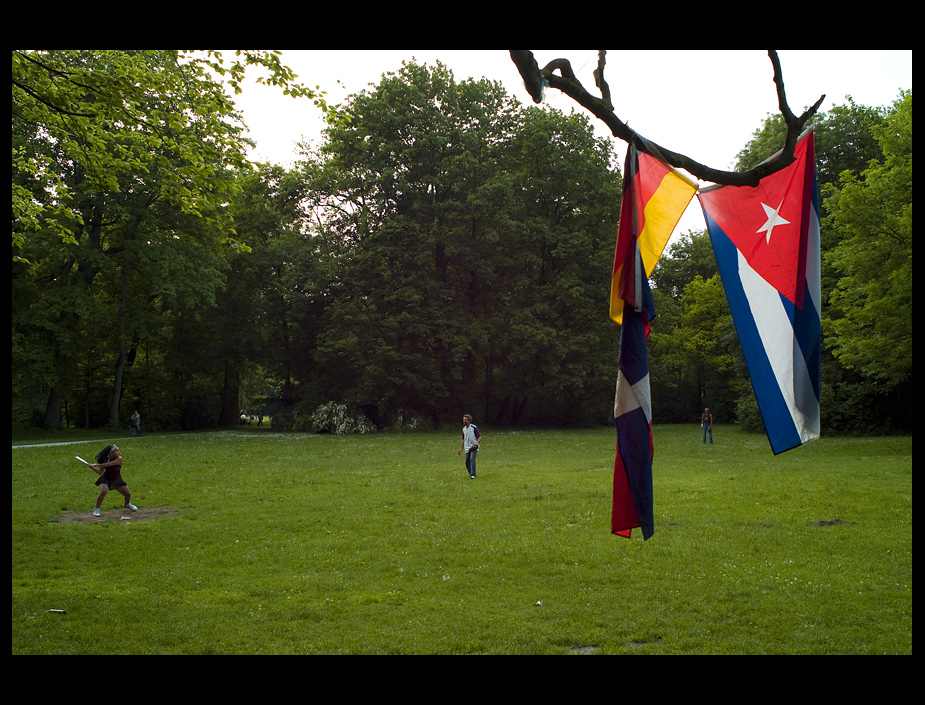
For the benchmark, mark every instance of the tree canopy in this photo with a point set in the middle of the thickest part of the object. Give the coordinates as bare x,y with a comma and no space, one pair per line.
445,250
127,112
870,217
474,248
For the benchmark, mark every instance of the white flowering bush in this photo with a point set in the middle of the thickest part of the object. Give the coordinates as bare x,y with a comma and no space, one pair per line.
336,418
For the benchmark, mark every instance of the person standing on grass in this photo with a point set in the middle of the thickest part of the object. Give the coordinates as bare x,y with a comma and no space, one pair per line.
470,443
706,423
108,466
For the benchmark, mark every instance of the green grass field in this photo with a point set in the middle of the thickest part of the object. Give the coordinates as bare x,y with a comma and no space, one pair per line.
381,544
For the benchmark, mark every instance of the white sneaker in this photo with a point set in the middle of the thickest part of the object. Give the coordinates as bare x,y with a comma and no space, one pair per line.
96,511
131,506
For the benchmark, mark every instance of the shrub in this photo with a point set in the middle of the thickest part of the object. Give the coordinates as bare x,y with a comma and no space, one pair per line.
336,418
748,416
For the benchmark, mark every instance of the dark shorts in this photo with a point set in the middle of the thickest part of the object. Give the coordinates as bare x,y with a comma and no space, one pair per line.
114,480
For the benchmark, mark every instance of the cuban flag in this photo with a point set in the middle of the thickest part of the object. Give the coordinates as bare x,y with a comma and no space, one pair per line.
766,242
654,199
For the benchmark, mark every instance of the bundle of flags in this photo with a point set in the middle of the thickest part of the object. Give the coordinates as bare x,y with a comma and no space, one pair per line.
654,199
766,241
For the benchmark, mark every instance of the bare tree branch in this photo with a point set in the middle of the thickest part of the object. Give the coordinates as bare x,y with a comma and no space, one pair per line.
599,79
603,109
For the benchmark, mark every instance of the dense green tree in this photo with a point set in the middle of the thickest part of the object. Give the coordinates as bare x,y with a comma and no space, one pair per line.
687,257
557,345
117,112
398,180
446,250
693,349
474,236
694,353
269,311
120,176
870,215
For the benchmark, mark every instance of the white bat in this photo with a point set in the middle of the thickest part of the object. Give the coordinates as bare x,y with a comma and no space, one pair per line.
96,470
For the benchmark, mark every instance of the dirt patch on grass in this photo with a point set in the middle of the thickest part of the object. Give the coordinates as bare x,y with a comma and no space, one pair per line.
584,650
826,522
119,514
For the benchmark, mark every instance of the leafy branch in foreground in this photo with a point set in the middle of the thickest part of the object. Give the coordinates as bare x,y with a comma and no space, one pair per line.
126,112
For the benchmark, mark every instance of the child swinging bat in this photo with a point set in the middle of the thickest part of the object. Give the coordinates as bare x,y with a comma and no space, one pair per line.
108,466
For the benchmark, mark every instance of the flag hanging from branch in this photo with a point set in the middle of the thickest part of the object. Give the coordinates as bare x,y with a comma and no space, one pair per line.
654,199
766,241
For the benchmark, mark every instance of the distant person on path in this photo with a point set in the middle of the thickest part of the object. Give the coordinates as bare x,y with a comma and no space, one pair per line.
706,423
470,443
136,422
108,466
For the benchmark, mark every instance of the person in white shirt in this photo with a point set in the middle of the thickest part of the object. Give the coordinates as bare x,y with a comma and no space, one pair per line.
471,440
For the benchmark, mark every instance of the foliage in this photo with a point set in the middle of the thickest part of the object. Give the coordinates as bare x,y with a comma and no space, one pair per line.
693,346
122,173
335,418
871,216
475,236
748,415
843,135
116,112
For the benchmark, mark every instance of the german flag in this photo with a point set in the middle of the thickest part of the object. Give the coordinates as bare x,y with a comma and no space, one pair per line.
655,197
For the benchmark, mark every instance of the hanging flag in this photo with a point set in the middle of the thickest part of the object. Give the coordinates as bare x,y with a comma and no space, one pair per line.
654,198
632,410
766,242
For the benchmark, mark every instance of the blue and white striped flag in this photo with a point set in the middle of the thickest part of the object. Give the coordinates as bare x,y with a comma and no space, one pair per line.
766,242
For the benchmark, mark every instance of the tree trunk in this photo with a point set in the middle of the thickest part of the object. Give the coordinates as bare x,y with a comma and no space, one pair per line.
518,411
53,410
123,355
228,416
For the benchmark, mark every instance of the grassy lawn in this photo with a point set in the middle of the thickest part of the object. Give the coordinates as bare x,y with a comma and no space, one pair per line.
381,544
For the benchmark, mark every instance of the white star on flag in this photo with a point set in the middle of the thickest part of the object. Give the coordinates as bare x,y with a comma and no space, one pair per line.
774,219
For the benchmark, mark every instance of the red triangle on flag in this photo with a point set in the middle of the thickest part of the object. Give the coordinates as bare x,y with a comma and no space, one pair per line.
765,222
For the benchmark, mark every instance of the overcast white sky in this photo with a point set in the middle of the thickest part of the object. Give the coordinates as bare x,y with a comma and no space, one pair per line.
706,104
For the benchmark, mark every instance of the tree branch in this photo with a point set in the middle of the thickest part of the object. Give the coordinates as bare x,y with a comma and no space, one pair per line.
603,109
57,108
